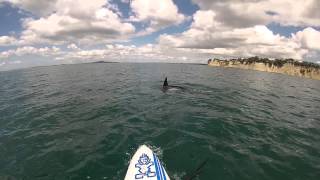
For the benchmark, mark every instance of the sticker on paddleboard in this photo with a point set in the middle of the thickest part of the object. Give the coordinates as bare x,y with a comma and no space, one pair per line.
145,165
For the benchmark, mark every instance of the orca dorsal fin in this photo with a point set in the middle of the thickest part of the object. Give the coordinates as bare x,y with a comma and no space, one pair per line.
165,83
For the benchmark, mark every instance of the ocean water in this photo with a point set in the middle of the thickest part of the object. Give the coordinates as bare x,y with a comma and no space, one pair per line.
85,122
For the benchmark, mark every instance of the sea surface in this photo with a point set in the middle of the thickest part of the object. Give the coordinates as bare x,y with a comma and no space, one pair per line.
85,121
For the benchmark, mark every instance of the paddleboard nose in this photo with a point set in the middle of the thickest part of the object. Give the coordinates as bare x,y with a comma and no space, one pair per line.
145,165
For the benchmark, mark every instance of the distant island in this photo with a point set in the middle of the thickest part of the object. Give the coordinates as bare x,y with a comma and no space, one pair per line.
97,62
283,66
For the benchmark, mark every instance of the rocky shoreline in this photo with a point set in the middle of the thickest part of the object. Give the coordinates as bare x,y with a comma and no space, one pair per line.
283,66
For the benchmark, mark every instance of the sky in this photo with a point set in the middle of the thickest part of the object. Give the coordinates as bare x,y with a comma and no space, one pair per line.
42,32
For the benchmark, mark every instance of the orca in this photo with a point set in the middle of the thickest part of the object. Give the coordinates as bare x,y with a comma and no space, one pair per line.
167,87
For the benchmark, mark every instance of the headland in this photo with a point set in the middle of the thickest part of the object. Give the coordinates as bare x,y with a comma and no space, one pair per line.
283,66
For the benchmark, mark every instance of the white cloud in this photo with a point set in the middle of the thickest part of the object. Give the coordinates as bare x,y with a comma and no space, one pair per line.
6,54
247,13
158,14
78,8
125,1
309,38
208,35
131,53
68,21
7,41
30,50
73,47
40,7
92,21
238,28
205,20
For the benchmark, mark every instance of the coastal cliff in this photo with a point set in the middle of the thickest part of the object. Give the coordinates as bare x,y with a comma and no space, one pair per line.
283,66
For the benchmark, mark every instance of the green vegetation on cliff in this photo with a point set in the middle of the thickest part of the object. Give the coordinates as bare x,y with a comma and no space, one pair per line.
284,66
277,62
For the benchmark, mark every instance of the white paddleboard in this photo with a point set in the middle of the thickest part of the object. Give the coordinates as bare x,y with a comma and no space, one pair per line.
145,165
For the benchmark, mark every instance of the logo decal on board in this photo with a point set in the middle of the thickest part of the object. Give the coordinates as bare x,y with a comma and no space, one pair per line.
144,165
